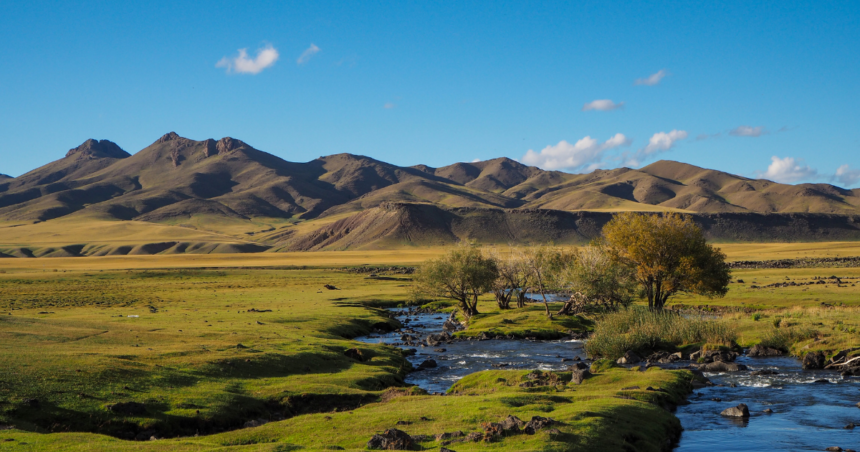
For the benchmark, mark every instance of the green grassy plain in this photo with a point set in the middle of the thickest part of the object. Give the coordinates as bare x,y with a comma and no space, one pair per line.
204,361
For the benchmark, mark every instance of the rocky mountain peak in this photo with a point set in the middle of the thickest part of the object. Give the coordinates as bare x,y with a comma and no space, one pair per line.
94,149
170,136
226,145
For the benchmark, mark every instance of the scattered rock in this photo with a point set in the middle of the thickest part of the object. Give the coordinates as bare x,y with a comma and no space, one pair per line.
538,423
764,372
512,423
813,361
255,423
440,350
128,408
403,423
760,350
579,375
434,340
355,354
737,411
447,435
330,287
768,411
578,366
474,436
834,449
445,449
850,426
392,439
629,358
428,364
720,366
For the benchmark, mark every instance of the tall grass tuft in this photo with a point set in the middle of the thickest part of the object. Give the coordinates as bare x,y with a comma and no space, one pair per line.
643,331
784,338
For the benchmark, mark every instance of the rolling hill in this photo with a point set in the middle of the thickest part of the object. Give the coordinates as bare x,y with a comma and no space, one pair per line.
182,195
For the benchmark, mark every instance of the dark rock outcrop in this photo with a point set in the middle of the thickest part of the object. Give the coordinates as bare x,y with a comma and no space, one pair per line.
813,361
760,350
392,439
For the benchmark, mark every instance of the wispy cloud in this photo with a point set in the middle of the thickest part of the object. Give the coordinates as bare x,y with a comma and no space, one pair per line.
847,177
242,64
658,143
602,105
788,170
307,54
748,131
586,154
652,79
389,105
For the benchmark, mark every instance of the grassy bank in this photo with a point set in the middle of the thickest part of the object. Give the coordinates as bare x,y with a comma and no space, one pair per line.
528,322
610,411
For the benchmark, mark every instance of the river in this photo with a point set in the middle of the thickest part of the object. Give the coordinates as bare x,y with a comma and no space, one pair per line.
808,414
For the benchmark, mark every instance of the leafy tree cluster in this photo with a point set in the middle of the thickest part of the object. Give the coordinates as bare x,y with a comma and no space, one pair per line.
638,256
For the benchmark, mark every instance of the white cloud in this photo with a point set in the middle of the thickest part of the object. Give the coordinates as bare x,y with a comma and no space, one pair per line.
476,160
602,105
585,154
658,143
242,64
389,105
652,79
748,131
307,54
846,176
787,170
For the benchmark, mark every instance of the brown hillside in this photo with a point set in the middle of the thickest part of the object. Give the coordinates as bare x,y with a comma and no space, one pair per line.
244,195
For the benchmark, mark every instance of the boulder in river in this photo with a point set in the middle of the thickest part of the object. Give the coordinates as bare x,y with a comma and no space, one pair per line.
760,351
392,439
434,340
428,364
720,366
629,358
737,411
813,361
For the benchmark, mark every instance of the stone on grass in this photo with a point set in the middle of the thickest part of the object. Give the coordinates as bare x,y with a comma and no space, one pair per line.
392,439
737,411
578,376
538,423
355,354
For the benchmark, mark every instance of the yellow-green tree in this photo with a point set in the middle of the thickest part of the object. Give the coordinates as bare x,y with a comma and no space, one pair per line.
669,254
462,274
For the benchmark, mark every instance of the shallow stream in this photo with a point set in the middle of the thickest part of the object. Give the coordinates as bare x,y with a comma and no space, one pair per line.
807,413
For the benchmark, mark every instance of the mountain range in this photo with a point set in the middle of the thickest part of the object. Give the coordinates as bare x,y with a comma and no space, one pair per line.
208,195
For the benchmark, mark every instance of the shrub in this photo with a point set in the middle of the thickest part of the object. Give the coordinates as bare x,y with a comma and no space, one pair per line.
756,317
644,331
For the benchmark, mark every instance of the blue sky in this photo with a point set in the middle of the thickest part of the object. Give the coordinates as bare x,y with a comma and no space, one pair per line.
764,89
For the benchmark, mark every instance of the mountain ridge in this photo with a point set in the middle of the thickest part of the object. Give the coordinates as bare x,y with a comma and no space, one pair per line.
228,187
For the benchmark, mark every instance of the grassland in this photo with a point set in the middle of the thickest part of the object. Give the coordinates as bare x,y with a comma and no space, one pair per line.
211,349
204,359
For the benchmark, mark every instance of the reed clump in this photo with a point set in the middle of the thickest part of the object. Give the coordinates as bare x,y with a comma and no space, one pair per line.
644,331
